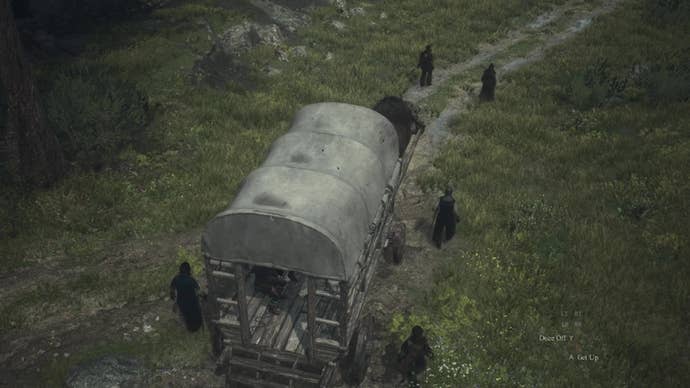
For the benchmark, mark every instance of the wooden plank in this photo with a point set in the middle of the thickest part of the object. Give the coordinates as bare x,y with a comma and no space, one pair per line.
219,263
291,321
275,370
278,320
327,322
342,307
299,330
253,382
226,301
255,302
326,294
242,303
327,342
222,274
226,323
258,314
311,316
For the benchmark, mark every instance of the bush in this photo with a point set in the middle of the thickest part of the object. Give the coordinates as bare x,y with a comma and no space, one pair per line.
95,114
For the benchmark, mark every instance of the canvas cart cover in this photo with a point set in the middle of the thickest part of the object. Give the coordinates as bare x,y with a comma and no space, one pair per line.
308,207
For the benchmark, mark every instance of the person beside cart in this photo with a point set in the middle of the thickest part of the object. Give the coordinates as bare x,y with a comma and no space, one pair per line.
412,356
445,218
183,290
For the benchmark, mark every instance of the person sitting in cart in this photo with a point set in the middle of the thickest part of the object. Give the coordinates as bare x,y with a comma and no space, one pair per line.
183,290
445,218
413,353
271,282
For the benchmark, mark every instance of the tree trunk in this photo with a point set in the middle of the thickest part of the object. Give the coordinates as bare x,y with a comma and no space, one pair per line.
30,149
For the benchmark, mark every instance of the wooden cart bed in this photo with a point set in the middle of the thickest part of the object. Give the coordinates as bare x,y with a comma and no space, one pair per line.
287,330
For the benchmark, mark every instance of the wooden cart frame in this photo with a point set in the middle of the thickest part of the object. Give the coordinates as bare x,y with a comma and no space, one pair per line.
319,324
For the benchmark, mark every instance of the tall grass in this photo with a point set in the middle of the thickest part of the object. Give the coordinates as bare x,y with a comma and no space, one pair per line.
574,210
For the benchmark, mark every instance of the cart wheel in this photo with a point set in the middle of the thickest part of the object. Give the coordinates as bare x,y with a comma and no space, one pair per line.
357,359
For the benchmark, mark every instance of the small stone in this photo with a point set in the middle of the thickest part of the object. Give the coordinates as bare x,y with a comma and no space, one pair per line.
298,51
357,11
338,25
271,71
329,56
147,328
281,54
383,15
66,355
55,354
157,318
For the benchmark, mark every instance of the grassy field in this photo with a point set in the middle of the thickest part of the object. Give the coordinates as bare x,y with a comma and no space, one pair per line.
202,141
574,194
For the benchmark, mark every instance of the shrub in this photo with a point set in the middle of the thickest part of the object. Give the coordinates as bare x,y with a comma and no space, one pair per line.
95,114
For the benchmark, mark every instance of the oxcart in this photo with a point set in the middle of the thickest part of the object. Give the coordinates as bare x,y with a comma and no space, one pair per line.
320,205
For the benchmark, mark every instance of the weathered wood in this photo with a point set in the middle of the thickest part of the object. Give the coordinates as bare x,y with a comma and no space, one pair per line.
342,314
291,321
326,294
226,301
311,315
227,323
294,342
242,303
327,322
258,314
327,342
279,370
246,380
219,263
224,275
213,310
275,322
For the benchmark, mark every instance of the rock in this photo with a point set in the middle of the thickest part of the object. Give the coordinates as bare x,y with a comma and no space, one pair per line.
341,7
329,56
108,371
288,19
298,51
147,328
281,54
338,25
383,15
357,11
242,37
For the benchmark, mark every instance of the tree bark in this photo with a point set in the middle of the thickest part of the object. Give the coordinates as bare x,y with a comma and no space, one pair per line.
29,148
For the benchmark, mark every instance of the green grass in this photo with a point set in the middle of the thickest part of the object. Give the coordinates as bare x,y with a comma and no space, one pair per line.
574,211
204,141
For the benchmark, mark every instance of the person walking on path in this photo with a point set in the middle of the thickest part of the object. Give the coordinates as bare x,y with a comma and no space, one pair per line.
445,218
183,290
426,63
488,84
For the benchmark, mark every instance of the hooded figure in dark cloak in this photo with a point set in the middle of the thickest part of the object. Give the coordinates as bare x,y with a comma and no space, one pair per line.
445,218
404,117
426,63
183,290
413,353
488,84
